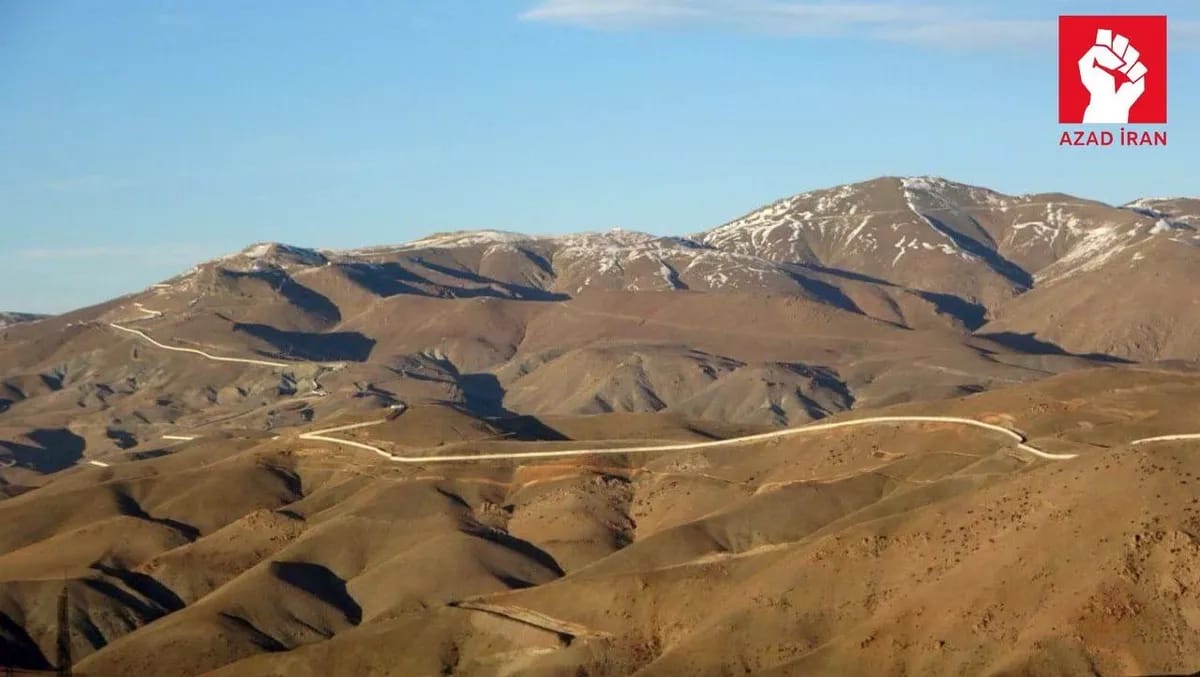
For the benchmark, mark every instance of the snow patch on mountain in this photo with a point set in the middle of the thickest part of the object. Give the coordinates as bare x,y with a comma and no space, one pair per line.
640,262
1033,234
837,223
503,238
263,255
1178,211
930,189
866,228
1161,226
466,238
1152,202
1094,243
784,227
1094,247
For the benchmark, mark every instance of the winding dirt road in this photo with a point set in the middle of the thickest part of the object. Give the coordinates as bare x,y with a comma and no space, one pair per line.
146,337
1166,438
153,314
322,436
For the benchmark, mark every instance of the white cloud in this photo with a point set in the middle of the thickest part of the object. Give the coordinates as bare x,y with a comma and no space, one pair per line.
618,13
976,34
943,25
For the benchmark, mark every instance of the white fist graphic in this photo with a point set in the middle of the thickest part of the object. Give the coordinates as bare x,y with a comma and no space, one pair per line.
1111,104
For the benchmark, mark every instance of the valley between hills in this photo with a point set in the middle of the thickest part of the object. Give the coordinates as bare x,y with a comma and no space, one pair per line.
905,426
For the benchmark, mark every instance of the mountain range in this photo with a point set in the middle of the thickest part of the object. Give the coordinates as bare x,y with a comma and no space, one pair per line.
166,455
867,294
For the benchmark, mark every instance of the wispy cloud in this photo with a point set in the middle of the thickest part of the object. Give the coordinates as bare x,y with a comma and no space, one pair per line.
618,13
165,253
942,25
975,34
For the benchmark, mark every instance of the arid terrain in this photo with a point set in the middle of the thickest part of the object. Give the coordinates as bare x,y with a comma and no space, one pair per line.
901,427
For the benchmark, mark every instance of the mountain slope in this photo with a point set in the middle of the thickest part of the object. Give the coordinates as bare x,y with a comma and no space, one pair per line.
8,319
881,549
1050,265
231,471
864,295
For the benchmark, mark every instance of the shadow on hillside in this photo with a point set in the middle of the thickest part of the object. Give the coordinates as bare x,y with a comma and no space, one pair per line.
385,279
147,609
1031,345
321,583
517,545
148,454
826,292
20,652
847,274
298,295
392,279
994,260
971,315
129,506
143,585
527,429
57,449
483,397
349,346
122,438
515,291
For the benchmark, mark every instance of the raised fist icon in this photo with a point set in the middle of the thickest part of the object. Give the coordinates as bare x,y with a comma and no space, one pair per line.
1112,57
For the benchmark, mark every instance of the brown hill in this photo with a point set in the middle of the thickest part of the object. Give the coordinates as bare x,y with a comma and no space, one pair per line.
172,457
879,549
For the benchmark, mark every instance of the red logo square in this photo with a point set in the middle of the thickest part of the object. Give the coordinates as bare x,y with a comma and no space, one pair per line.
1112,69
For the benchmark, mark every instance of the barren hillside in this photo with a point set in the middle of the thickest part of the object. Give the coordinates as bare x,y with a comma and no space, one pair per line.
906,426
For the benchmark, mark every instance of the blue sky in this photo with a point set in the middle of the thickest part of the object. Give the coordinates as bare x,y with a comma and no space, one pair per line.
139,137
